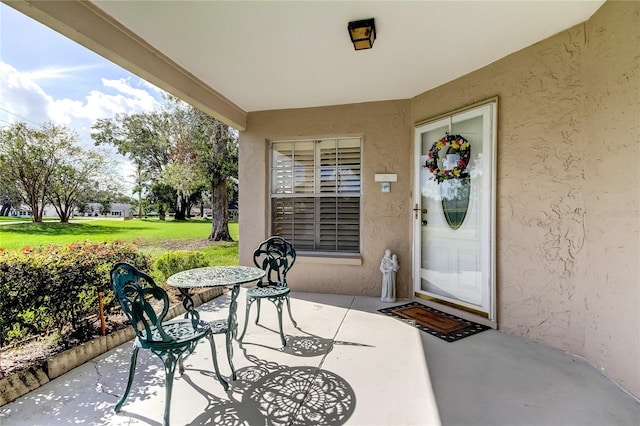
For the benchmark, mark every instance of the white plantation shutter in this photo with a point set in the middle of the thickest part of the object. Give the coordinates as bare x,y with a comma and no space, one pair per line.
315,194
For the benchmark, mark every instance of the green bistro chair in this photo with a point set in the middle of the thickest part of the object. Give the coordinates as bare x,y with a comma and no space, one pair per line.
171,341
276,256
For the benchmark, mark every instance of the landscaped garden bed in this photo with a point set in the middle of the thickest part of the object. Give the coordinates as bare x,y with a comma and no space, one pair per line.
34,363
50,319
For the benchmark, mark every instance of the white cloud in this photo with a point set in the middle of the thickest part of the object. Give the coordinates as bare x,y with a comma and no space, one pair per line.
98,104
55,73
123,86
23,99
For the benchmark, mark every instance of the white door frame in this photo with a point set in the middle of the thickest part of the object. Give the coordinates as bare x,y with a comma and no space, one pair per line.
416,203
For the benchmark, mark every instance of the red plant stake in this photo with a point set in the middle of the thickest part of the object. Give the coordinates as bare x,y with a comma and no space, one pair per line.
103,325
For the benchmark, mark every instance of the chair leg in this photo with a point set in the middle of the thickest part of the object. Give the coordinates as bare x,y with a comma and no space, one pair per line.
258,305
224,383
289,309
246,317
169,360
278,303
132,369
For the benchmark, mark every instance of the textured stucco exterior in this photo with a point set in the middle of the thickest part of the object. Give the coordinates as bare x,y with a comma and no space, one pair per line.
568,213
568,187
612,193
386,134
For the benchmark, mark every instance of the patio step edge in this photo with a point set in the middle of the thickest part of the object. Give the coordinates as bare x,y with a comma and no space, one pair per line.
22,382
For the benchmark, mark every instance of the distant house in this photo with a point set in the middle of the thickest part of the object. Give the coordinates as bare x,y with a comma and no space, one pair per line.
115,209
22,210
119,209
93,209
233,212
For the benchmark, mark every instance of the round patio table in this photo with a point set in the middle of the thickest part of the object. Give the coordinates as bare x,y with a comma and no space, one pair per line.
216,276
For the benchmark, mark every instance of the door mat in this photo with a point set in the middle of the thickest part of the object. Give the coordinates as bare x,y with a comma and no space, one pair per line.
440,324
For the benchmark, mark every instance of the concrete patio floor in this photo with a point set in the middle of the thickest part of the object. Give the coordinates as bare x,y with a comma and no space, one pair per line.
344,364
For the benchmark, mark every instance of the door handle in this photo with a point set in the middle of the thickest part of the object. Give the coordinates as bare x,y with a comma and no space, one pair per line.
423,211
416,210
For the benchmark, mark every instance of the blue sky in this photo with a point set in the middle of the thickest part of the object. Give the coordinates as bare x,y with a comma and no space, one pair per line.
44,77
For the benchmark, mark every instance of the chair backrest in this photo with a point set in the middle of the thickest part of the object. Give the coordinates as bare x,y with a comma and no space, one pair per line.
133,288
276,256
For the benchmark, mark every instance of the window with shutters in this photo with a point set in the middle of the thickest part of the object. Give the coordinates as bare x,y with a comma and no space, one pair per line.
315,194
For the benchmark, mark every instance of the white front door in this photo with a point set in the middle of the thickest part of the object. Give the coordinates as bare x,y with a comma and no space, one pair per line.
454,214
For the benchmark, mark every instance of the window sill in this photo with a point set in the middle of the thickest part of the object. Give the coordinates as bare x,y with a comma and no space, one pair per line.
329,260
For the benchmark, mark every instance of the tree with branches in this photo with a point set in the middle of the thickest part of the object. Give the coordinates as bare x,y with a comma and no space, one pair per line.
215,148
182,148
74,179
139,137
30,158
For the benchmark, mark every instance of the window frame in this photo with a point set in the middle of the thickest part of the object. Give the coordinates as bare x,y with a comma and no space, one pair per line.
315,195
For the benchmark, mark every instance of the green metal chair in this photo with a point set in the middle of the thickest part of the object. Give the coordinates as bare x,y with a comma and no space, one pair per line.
171,341
276,256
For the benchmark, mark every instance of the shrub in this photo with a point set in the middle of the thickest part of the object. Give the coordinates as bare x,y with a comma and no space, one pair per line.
52,288
175,261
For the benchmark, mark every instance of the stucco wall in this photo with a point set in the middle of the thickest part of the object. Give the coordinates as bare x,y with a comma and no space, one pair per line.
568,213
386,148
540,259
612,192
568,219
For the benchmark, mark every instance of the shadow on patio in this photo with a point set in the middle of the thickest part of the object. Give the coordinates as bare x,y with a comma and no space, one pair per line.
345,364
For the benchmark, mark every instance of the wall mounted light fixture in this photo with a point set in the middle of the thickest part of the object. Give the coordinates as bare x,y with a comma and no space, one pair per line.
362,33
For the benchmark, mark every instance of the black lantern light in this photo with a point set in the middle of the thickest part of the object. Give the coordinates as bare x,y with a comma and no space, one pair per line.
362,33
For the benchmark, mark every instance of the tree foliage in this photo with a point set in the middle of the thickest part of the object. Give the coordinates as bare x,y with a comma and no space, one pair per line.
140,137
9,196
75,180
46,165
181,148
215,148
29,159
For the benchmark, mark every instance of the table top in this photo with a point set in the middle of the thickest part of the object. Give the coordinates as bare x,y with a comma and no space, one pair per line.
215,276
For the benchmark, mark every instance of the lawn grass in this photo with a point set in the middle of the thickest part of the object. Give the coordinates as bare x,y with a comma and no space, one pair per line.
153,236
25,219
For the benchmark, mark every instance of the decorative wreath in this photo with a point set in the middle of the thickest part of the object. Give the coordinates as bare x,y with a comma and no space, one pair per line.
454,144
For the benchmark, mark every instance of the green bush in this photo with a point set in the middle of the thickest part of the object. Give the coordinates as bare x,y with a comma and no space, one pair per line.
52,288
175,261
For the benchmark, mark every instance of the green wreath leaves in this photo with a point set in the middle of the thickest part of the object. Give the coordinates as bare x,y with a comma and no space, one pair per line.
452,144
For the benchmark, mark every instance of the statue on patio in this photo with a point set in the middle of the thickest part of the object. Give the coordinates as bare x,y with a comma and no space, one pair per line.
389,266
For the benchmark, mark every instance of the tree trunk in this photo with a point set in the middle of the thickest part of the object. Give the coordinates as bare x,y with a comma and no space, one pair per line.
66,214
181,209
6,207
139,191
36,210
220,211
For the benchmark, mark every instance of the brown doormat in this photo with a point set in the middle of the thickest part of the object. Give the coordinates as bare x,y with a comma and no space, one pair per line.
440,324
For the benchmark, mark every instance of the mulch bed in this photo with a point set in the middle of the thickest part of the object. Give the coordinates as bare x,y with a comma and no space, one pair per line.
34,351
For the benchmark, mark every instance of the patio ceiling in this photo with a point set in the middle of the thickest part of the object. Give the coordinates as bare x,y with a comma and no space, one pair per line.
262,55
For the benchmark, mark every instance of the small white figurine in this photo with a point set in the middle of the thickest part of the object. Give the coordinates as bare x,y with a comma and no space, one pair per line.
389,266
